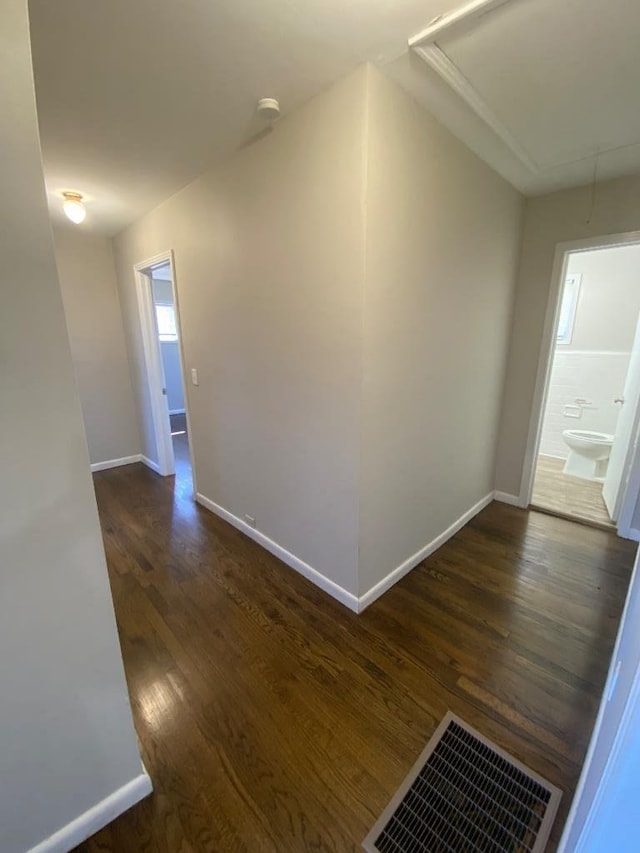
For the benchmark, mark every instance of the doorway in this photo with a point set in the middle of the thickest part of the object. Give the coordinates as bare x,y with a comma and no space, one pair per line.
588,425
160,325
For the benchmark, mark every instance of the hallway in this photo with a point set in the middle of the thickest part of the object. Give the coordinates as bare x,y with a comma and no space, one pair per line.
273,719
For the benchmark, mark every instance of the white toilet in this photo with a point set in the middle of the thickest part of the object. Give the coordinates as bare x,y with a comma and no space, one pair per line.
588,454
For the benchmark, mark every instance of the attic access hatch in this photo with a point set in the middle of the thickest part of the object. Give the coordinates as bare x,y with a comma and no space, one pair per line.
552,81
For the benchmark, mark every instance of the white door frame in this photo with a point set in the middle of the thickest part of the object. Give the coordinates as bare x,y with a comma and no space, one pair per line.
545,361
153,362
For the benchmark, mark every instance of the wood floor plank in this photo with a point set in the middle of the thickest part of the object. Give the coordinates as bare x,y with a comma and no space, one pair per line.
273,719
574,497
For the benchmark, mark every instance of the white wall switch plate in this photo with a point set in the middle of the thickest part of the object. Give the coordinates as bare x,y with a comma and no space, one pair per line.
194,376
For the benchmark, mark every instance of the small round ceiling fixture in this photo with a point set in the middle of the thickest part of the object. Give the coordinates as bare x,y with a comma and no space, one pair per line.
73,206
269,108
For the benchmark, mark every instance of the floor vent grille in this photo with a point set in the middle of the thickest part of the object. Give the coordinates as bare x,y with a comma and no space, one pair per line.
466,794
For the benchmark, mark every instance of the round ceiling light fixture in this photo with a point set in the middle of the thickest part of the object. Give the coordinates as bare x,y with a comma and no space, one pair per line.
269,108
73,207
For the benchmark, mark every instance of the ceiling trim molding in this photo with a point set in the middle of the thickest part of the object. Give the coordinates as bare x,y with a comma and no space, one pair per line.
437,59
424,45
443,23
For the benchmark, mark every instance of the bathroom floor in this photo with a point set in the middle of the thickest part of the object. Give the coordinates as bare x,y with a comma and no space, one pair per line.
568,496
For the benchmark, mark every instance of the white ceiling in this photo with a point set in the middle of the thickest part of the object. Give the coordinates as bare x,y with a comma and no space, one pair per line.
135,99
138,97
560,76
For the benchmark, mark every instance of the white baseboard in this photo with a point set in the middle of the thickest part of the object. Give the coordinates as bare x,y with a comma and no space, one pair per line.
177,411
632,533
506,498
150,464
96,817
342,595
115,463
337,592
125,460
404,568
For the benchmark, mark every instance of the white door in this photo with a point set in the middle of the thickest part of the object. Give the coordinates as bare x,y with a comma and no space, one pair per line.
626,429
164,463
595,792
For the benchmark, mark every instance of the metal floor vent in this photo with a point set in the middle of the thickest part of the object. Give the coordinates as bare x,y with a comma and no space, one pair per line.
465,794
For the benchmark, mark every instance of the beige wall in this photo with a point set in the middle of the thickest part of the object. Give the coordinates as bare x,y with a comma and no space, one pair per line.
345,289
549,220
90,296
269,274
67,737
443,235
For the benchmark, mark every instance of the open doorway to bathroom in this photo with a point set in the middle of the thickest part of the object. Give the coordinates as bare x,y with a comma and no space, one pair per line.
589,425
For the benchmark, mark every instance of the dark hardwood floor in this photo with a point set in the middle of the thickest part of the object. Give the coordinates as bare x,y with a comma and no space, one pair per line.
272,719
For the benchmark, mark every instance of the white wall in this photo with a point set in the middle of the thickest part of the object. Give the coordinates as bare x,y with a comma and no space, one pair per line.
162,291
594,376
593,365
549,220
269,272
169,350
89,293
609,301
443,235
172,375
66,735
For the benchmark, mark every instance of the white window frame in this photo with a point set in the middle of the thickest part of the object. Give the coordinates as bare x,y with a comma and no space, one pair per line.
568,308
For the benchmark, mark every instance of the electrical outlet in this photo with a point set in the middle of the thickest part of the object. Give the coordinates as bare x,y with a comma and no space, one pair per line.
250,520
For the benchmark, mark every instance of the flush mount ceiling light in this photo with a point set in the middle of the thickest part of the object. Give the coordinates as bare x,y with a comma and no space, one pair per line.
73,207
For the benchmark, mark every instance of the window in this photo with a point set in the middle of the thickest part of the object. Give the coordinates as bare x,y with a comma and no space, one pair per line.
568,308
166,319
